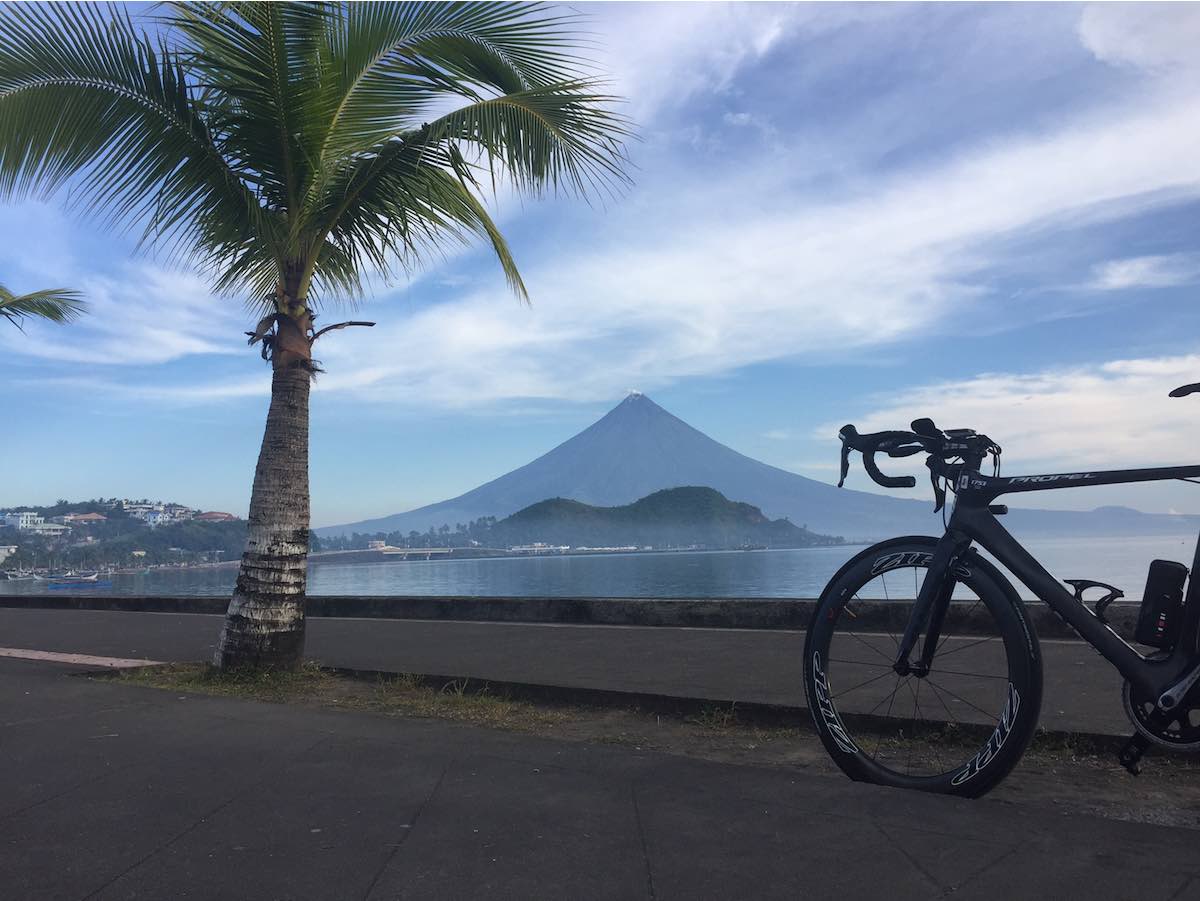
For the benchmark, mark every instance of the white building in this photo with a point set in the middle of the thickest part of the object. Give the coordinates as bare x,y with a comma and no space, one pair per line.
28,521
23,520
52,529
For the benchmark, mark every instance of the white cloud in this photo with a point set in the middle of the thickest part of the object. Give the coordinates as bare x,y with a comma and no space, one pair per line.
1110,415
664,54
699,277
1162,271
1154,36
144,314
700,295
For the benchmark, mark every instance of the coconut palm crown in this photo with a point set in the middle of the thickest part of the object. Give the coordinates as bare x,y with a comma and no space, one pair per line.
288,151
52,304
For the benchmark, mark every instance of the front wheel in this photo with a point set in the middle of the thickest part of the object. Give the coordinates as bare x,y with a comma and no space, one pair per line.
958,729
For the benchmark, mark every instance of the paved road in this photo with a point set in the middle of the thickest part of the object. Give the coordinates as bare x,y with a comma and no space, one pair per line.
110,791
1082,690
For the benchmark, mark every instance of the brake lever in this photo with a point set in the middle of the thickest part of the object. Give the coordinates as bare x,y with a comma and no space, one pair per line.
939,490
845,463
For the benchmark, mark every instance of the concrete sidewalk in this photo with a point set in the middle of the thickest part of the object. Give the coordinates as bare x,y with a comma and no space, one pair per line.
758,666
110,791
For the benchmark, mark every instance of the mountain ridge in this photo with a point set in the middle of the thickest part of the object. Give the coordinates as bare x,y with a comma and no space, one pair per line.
638,448
672,517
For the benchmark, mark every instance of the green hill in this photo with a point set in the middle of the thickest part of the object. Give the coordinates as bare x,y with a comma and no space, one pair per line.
675,517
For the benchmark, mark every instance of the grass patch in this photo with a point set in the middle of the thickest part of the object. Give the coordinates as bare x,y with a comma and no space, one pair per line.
310,680
716,717
462,700
724,732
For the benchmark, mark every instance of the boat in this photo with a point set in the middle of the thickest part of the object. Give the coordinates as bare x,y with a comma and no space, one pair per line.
69,578
84,583
14,575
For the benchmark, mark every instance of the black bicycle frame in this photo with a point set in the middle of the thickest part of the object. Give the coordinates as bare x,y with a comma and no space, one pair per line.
972,521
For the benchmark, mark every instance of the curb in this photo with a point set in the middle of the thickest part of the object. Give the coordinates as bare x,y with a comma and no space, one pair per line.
696,613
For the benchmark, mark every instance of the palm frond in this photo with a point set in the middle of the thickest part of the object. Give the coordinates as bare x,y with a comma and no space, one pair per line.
413,206
297,146
53,304
263,60
556,136
85,97
398,61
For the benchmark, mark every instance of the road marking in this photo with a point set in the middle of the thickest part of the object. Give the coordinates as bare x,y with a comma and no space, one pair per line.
81,659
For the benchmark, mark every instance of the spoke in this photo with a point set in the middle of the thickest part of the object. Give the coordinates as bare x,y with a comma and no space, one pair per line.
891,701
865,663
858,686
967,616
937,694
933,745
954,672
912,719
871,646
972,644
991,716
894,639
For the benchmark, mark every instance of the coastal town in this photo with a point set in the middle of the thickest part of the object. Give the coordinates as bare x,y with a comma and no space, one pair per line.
79,541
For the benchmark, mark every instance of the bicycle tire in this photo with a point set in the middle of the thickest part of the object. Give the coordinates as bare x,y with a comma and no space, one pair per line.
867,744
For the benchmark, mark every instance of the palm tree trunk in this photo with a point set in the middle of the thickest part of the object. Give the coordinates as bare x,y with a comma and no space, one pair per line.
264,626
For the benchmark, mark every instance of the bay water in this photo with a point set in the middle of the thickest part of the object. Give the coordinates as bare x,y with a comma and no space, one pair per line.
800,573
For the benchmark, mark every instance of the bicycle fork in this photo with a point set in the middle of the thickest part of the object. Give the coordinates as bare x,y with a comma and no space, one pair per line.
932,603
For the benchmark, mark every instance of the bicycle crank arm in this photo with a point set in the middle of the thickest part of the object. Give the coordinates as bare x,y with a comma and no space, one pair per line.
1173,696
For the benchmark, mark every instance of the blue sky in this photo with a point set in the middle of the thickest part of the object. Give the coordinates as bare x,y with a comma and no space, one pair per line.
984,214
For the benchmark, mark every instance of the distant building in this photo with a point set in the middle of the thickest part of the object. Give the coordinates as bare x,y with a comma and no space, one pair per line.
155,518
51,529
214,516
81,519
28,521
178,512
23,520
375,545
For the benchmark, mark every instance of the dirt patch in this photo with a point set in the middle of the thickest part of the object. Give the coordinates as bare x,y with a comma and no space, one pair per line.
1077,774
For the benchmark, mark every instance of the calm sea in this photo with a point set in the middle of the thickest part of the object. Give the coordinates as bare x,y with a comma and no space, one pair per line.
762,574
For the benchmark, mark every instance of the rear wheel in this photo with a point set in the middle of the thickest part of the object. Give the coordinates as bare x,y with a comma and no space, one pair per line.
960,728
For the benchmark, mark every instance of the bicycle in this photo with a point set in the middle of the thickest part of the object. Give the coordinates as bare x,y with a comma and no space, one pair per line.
871,648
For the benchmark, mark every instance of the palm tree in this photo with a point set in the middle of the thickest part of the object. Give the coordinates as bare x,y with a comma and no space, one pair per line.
288,150
54,304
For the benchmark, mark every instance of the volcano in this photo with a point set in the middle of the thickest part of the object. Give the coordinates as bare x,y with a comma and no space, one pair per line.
638,448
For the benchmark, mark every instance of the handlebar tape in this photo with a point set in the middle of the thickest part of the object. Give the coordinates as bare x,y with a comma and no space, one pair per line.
880,478
867,446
